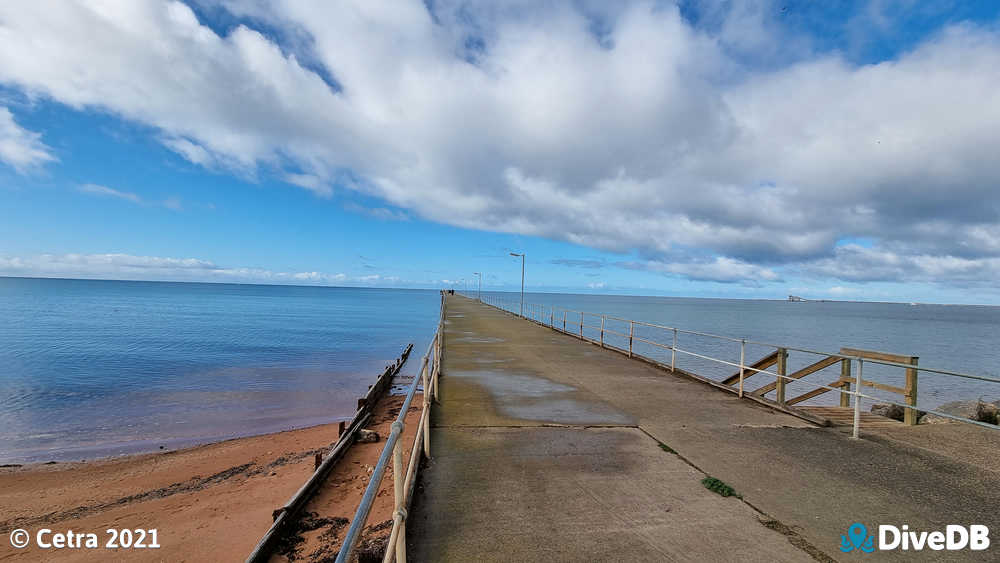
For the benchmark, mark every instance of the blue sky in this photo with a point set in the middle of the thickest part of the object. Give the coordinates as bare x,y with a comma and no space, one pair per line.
739,149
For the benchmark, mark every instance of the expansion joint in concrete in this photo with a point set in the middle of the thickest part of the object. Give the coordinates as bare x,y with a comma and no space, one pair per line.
566,426
765,519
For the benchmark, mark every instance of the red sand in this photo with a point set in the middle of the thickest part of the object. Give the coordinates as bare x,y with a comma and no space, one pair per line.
208,503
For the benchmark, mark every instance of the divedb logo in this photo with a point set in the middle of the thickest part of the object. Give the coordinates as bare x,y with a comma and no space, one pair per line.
953,538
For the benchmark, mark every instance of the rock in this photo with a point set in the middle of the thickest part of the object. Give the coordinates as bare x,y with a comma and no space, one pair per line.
964,409
973,410
935,419
894,412
986,412
367,436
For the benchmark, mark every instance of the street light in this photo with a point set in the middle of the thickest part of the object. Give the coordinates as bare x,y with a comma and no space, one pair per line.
514,254
479,295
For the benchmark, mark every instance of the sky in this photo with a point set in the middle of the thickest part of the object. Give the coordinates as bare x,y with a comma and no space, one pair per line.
750,149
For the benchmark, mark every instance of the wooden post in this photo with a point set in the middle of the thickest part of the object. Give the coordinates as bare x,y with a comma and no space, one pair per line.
780,381
910,416
427,427
845,376
856,433
437,365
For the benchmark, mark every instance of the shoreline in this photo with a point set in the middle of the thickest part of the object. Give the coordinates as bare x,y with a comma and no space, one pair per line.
209,501
135,455
157,447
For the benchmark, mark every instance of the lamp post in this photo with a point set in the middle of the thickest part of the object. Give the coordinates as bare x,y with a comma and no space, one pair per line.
514,254
479,294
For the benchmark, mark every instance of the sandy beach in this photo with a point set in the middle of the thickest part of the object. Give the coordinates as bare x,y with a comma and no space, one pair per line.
207,503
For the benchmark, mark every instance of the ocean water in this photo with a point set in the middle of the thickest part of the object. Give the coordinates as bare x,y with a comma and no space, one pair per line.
959,338
97,368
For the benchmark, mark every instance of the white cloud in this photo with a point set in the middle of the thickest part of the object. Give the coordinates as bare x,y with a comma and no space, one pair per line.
649,136
126,266
310,182
21,149
859,264
173,203
720,269
380,213
98,190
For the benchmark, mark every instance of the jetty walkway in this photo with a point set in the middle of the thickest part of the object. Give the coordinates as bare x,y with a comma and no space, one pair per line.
548,448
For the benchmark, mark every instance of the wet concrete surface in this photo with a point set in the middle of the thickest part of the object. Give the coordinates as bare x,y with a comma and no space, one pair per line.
530,467
576,494
532,399
519,401
814,481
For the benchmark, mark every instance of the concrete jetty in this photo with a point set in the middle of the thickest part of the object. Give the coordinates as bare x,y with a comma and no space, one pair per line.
547,447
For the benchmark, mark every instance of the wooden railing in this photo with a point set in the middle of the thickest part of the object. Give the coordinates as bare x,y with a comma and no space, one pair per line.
780,357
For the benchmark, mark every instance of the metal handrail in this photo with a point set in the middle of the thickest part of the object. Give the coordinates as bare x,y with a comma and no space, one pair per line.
744,368
402,487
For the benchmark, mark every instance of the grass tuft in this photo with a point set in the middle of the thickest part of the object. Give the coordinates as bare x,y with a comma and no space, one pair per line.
667,449
717,486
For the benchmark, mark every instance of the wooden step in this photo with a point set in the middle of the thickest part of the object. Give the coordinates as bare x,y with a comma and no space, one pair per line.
844,416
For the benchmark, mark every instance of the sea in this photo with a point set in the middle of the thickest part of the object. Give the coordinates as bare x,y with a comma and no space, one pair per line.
956,338
93,368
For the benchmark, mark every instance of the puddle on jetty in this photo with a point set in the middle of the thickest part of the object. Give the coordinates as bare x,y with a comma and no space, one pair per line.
480,339
528,397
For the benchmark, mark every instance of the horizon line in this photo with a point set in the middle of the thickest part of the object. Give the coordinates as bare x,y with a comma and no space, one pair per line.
513,291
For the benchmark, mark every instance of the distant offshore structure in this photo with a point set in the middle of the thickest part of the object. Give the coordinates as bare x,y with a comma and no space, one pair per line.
796,298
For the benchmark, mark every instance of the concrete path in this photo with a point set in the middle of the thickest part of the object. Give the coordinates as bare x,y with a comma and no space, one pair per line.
546,447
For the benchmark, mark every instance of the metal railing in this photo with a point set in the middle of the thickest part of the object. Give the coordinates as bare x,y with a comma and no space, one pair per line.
430,368
290,511
576,323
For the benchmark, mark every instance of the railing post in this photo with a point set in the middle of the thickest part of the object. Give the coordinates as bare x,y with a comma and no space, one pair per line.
397,487
845,376
780,381
743,349
673,352
552,316
581,324
427,427
564,321
437,365
857,401
602,331
910,416
631,331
